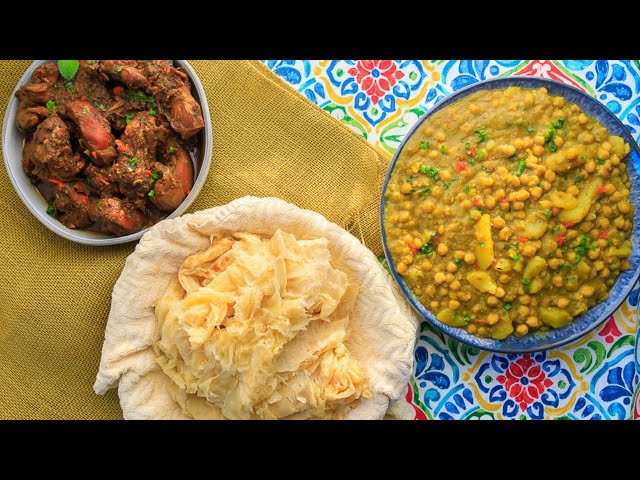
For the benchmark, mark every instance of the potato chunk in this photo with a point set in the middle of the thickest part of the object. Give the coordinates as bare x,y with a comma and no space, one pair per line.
585,200
449,317
562,200
484,242
555,317
534,267
482,281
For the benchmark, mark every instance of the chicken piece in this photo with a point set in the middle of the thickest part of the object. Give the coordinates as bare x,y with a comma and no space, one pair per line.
101,180
186,116
94,129
29,118
175,182
137,147
47,73
32,111
172,90
125,71
50,154
113,215
71,202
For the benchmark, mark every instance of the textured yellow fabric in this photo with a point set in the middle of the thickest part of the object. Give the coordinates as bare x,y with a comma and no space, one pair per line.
55,295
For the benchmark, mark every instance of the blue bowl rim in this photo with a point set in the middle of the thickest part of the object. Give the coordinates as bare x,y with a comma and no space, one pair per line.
583,324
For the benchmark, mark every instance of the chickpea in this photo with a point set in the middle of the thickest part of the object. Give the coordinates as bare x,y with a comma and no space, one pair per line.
449,277
507,150
440,136
538,150
536,192
464,296
492,301
587,290
538,140
500,292
546,186
405,188
557,281
498,222
619,223
525,299
430,291
427,265
528,250
442,249
518,205
504,278
559,141
458,254
455,285
605,272
522,329
402,268
469,258
582,119
454,304
490,202
483,331
434,305
532,322
439,277
443,292
441,229
603,154
624,207
433,154
492,318
587,138
472,328
452,267
562,302
505,233
590,166
446,175
571,153
523,310
573,190
466,204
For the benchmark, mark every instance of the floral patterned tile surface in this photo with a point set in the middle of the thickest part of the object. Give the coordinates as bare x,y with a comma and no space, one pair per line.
597,377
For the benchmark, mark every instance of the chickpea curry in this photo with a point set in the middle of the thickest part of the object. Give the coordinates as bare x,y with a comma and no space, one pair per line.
508,212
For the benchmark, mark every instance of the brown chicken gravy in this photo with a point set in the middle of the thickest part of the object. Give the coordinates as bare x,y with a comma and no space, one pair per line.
116,149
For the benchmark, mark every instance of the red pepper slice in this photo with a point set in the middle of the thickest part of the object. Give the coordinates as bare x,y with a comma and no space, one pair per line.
561,240
569,224
471,152
601,189
83,198
58,183
475,266
603,234
118,90
523,240
413,248
475,201
504,200
461,166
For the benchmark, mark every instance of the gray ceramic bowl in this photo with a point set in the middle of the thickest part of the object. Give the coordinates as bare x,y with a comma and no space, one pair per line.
13,142
594,317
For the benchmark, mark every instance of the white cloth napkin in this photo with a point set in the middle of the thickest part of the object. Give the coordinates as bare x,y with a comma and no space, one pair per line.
382,331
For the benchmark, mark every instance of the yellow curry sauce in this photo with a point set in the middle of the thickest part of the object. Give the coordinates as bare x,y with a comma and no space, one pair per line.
508,212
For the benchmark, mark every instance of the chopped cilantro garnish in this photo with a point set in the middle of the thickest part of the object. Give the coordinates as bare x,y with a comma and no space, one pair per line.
507,306
424,145
486,170
556,228
530,129
90,62
579,178
426,190
471,161
526,284
482,134
98,105
128,117
456,261
521,165
547,213
431,172
51,106
516,257
427,249
601,161
156,175
481,244
443,148
50,209
151,193
100,205
132,164
467,188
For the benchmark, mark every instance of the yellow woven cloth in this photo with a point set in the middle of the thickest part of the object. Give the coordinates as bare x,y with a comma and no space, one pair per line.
55,295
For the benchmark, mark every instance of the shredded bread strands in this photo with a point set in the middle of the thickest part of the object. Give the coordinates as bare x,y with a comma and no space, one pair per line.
255,328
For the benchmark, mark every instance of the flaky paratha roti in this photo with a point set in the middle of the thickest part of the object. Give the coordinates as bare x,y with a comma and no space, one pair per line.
366,324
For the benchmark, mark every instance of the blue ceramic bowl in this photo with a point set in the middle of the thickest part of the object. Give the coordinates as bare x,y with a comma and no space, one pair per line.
591,319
